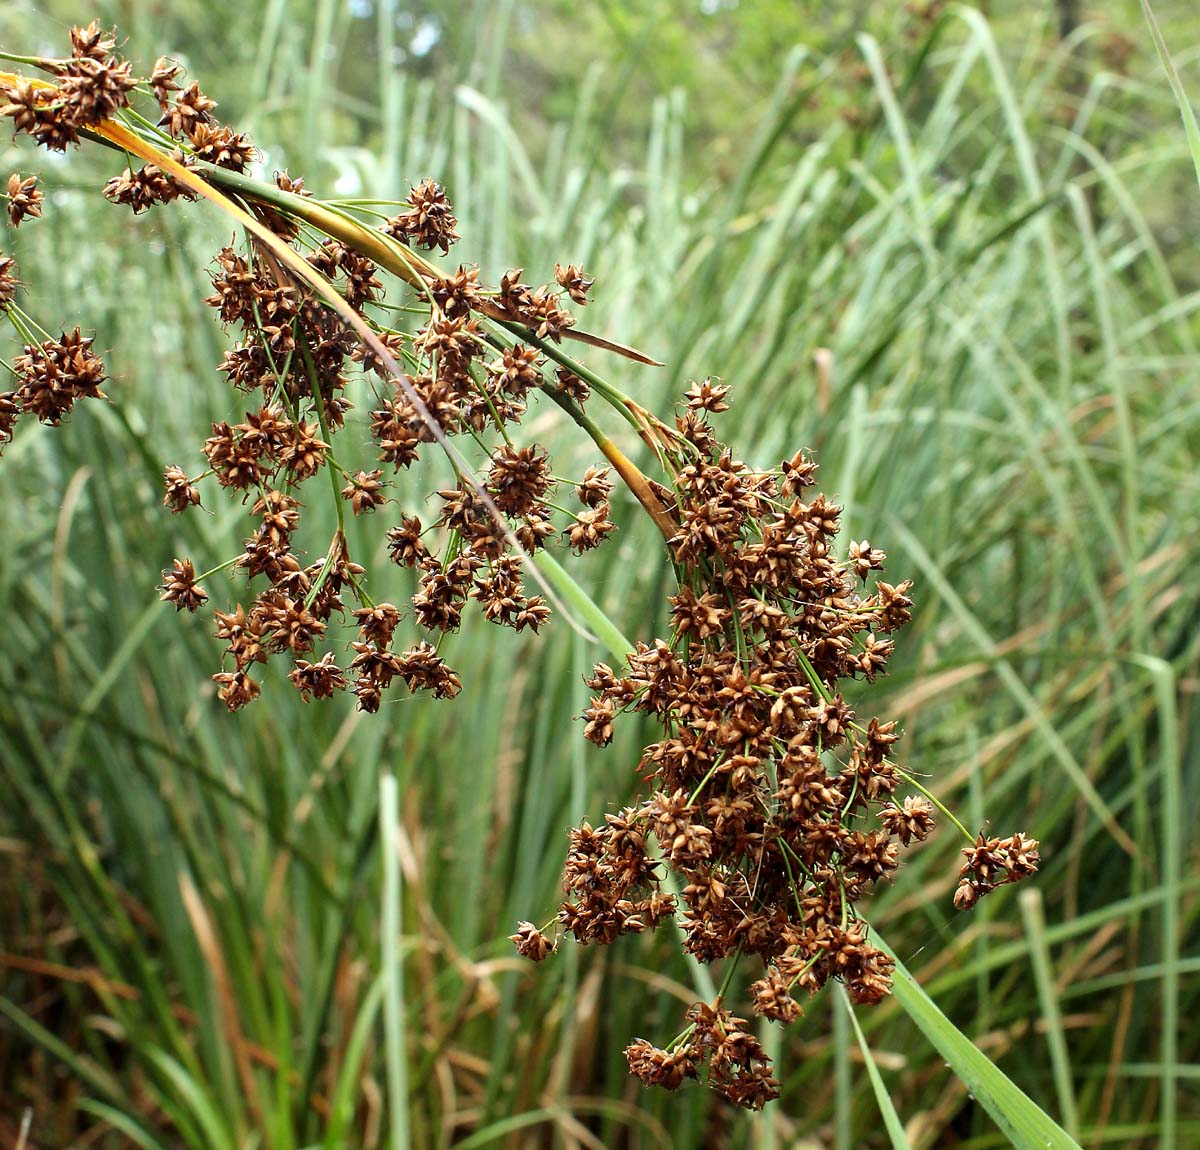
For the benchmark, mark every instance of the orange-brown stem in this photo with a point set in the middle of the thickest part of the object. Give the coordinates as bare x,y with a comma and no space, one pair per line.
637,482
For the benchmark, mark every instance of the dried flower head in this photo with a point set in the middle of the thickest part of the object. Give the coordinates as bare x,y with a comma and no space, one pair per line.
531,943
24,198
573,280
364,492
9,410
319,680
162,79
180,587
180,493
8,280
56,373
190,109
429,221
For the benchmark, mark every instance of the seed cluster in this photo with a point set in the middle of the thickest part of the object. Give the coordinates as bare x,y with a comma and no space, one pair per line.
50,374
772,806
292,360
292,356
91,85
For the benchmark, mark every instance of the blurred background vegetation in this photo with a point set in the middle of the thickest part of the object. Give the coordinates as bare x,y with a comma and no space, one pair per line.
982,222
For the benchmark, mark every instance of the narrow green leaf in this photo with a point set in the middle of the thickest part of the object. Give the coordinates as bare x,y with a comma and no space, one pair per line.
393,965
1030,900
891,1119
1190,126
345,1094
604,629
1026,1125
121,1121
193,1096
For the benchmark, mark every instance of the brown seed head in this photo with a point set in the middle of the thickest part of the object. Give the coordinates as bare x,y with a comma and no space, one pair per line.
180,494
574,281
707,396
319,680
162,80
179,586
364,492
24,198
430,220
236,689
190,109
531,943
8,280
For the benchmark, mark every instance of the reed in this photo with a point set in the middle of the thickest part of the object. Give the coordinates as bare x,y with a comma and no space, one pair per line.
456,986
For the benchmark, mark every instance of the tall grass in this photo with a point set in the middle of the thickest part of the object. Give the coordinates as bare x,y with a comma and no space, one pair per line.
961,305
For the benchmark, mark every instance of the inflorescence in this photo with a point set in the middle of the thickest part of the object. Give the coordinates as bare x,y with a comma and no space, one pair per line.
774,808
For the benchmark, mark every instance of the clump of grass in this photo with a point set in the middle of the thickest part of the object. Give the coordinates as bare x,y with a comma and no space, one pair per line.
766,622
960,414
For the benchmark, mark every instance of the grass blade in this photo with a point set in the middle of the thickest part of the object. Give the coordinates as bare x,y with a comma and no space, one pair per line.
1190,126
1035,930
393,964
891,1119
1026,1125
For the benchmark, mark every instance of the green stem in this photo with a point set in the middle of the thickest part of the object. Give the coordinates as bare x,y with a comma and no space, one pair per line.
733,965
310,370
219,568
703,782
43,62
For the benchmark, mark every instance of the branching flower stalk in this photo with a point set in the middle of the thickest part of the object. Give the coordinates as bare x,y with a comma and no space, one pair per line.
774,807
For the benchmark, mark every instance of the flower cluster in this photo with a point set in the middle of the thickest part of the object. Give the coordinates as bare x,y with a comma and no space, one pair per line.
50,374
91,85
992,862
187,117
24,198
292,356
463,375
773,808
774,805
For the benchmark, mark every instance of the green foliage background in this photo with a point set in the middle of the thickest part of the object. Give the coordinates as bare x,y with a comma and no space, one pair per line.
989,227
